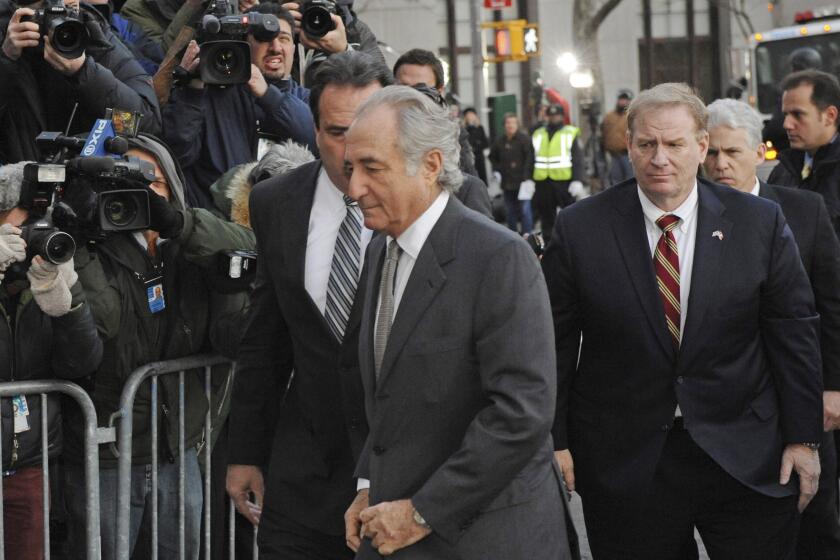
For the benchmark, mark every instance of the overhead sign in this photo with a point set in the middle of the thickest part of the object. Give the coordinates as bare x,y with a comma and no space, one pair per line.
513,40
498,4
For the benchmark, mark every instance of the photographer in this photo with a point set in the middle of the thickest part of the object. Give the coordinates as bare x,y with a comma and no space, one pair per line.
345,32
39,87
212,129
151,304
49,334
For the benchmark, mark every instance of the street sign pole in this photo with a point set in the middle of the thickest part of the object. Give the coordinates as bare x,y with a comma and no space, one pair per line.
477,59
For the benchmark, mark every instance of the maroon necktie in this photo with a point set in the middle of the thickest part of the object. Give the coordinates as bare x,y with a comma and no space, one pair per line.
666,261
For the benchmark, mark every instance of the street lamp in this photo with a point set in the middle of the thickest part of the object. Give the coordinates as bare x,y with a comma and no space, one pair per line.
567,62
582,79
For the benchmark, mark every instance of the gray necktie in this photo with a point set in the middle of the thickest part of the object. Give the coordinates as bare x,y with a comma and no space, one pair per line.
385,316
344,273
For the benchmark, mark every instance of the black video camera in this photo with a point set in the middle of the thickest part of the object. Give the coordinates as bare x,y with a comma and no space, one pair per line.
64,27
225,55
316,17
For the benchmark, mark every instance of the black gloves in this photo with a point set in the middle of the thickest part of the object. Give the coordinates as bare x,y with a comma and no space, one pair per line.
163,218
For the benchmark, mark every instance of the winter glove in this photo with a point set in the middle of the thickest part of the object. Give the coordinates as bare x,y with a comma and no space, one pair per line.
12,247
48,287
163,218
577,190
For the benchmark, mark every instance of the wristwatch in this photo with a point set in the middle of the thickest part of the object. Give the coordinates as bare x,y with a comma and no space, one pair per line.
812,446
420,521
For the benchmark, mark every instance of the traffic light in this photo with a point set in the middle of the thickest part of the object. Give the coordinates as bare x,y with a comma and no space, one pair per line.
513,40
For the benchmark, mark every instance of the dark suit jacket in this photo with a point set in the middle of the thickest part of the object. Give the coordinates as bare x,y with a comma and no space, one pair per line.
473,193
819,249
461,414
320,425
747,374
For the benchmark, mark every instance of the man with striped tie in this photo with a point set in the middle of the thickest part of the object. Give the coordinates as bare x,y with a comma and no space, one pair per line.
689,383
297,366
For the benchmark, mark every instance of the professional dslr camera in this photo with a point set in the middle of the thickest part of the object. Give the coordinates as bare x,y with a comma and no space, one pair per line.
225,55
64,27
316,16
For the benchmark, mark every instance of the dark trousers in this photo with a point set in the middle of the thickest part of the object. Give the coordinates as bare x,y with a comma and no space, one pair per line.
281,538
548,197
819,529
518,211
23,514
690,490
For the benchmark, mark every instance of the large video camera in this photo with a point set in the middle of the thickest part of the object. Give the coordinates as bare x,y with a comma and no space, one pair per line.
93,194
225,55
65,29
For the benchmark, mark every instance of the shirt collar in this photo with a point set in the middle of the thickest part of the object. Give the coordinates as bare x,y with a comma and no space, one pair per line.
756,188
413,238
333,197
684,212
809,157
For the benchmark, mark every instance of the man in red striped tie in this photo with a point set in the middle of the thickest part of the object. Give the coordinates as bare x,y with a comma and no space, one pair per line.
694,398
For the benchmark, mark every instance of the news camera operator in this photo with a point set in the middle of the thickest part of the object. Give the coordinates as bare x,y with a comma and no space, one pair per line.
212,129
150,303
49,333
327,27
41,80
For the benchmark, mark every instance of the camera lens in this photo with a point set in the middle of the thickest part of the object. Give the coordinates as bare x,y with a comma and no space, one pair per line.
59,247
69,37
225,61
317,22
120,211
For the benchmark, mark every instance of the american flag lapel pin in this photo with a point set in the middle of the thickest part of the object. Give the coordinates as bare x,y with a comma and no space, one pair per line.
717,233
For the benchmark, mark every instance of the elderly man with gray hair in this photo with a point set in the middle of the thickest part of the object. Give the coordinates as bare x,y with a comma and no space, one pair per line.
455,356
735,149
689,386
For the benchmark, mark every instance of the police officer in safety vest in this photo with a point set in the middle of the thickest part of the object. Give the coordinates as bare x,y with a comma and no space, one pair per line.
558,166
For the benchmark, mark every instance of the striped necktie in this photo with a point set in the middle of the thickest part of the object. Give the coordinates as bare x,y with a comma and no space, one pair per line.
385,314
344,273
666,262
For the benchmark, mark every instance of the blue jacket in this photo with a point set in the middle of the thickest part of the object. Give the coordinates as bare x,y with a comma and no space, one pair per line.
213,129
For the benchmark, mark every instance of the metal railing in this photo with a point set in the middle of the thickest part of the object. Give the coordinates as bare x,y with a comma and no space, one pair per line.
94,436
124,446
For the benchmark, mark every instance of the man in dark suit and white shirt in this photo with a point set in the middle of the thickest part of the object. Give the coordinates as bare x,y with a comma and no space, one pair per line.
735,150
297,367
456,357
689,383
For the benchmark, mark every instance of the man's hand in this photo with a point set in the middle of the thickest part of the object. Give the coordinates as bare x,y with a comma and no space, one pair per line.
245,6
567,467
831,410
20,35
257,83
806,462
391,525
333,42
352,521
190,62
294,9
67,66
242,480
48,287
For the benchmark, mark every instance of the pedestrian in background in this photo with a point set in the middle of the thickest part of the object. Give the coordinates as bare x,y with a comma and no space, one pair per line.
512,157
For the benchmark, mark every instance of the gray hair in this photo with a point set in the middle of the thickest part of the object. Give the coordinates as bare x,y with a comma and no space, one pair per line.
11,180
737,115
669,94
423,126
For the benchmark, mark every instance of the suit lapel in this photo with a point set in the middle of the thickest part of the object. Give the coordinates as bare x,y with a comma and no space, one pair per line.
368,304
631,235
708,250
424,283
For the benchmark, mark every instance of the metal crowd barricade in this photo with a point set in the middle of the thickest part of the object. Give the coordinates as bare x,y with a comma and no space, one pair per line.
124,442
93,437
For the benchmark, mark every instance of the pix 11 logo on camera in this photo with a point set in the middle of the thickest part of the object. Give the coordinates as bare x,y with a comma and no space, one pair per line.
225,55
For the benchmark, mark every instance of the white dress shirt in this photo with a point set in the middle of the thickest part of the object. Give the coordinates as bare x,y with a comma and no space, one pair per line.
328,211
411,241
756,188
684,234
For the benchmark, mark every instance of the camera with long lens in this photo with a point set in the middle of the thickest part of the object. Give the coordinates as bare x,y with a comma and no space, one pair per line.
316,17
64,28
44,239
225,55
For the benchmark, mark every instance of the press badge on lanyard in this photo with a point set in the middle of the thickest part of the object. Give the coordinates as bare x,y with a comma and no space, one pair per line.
20,411
154,293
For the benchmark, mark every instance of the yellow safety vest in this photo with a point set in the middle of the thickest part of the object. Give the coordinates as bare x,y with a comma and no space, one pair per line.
554,155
